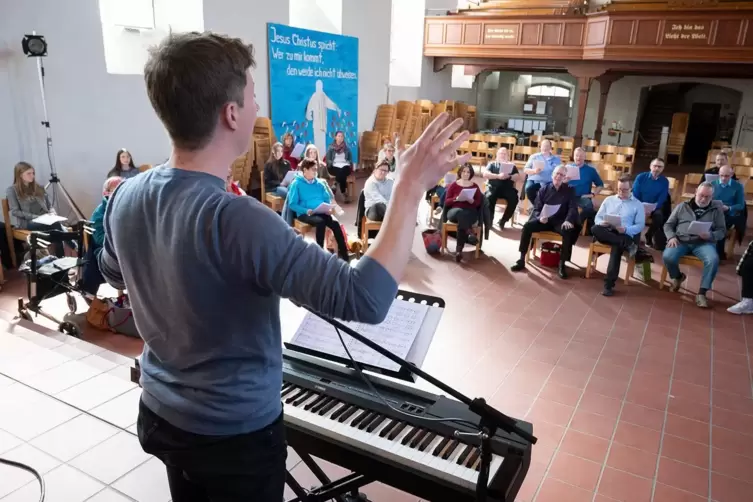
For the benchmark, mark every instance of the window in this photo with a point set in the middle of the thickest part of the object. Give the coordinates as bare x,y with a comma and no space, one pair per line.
459,79
318,15
548,91
406,42
130,27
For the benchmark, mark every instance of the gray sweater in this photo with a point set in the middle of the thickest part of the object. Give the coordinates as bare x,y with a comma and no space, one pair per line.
205,271
23,210
683,214
375,191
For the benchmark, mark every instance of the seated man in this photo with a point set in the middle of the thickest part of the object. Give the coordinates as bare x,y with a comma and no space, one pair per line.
588,178
501,186
732,195
702,245
564,221
624,237
541,175
653,188
377,192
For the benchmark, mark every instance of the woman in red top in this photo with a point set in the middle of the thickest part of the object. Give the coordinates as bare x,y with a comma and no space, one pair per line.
463,210
288,144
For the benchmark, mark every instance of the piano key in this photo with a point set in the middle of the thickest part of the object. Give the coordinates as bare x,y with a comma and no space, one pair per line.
313,403
418,438
329,406
397,430
375,423
407,438
427,440
387,428
450,449
441,446
305,396
366,421
476,455
340,411
357,420
295,393
347,414
464,456
320,403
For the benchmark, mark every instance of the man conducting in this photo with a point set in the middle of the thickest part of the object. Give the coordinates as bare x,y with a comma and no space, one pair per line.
205,271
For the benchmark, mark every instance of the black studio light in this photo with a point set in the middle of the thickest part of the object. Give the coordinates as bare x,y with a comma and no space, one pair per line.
34,46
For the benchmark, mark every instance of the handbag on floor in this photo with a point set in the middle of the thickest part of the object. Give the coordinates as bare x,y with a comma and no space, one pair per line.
106,314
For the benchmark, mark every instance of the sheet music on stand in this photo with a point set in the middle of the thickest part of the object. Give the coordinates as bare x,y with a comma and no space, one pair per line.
407,332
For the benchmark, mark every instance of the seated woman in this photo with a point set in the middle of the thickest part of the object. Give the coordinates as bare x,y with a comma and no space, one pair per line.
274,172
312,153
377,192
306,194
28,201
288,145
340,162
463,210
92,278
388,153
124,167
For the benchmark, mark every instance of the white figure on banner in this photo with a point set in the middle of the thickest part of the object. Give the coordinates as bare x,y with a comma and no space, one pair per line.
316,113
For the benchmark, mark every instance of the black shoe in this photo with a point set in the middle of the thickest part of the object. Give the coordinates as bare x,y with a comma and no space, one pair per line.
608,291
472,239
502,224
562,272
519,266
458,256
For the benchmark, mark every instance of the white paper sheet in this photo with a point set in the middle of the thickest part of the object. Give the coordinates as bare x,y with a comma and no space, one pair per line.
505,167
539,164
541,108
297,150
613,219
49,219
649,207
518,125
527,107
511,124
549,210
289,177
712,177
699,227
528,126
323,208
466,195
573,173
397,333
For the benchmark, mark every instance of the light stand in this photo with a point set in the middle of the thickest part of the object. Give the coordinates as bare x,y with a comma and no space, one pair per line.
35,46
490,418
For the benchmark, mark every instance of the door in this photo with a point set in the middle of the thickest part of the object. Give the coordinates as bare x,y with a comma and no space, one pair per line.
702,127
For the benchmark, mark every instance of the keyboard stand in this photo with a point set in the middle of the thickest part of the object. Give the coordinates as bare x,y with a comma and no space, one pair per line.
344,489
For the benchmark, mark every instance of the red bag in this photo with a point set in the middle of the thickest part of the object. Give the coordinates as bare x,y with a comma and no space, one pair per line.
550,254
432,240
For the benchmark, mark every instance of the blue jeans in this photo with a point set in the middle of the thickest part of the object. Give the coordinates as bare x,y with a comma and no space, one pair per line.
705,251
281,191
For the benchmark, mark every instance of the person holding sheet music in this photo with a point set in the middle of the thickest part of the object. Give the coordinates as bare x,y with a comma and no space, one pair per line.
339,161
619,224
275,171
377,191
502,176
587,183
694,227
652,189
720,161
732,195
539,169
288,147
28,202
310,201
463,200
555,210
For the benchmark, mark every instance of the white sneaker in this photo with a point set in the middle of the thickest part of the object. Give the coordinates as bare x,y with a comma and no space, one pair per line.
744,307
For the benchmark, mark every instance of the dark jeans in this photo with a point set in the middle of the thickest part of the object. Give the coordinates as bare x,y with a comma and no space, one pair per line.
656,230
511,200
323,221
532,190
57,247
465,218
620,243
92,278
341,175
376,212
569,237
217,468
746,274
731,221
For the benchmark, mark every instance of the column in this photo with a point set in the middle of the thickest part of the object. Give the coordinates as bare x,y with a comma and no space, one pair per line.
585,74
605,83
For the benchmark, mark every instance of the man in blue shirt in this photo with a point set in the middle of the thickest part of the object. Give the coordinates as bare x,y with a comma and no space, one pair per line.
205,271
653,188
622,237
588,177
539,169
732,194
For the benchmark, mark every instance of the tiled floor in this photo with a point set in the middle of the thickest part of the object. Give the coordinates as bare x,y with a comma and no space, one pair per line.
638,397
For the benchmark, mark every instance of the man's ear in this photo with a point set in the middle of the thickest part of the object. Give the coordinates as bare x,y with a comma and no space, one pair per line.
230,115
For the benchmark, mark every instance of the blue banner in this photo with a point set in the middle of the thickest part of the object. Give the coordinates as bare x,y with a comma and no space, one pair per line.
313,82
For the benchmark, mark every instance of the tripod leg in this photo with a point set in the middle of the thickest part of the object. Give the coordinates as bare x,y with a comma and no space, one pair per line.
300,492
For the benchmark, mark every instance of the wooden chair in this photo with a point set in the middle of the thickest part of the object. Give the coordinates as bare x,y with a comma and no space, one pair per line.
597,249
590,145
12,234
302,227
685,260
144,167
351,186
543,237
271,200
449,226
594,157
691,182
368,225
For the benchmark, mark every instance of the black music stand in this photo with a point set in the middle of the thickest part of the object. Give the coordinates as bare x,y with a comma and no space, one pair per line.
490,420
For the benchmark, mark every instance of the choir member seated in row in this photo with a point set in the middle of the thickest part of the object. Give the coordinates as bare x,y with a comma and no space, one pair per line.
92,277
377,191
539,169
288,146
564,221
732,195
306,195
388,153
745,271
587,184
339,161
501,186
463,201
682,240
312,153
124,166
653,188
274,172
622,236
720,161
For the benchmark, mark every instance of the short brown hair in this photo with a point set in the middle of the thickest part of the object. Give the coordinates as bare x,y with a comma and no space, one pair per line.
190,77
625,179
308,164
